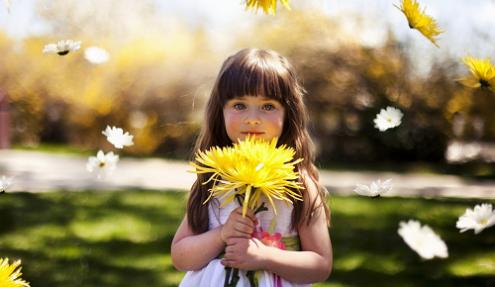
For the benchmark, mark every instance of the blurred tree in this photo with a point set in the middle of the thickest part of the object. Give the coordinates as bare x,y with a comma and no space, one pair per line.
159,75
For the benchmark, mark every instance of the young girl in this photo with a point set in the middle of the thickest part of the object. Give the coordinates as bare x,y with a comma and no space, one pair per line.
256,93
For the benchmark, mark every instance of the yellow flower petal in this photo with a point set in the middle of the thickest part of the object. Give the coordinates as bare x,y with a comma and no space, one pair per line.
482,73
268,6
470,81
418,20
251,169
10,274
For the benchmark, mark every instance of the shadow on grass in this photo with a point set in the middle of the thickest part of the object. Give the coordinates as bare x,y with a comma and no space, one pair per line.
123,239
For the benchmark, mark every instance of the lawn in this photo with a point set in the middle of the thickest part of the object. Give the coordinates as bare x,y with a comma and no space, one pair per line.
123,238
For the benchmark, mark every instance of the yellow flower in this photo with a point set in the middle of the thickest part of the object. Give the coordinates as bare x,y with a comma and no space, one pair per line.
418,20
482,73
9,276
268,6
250,169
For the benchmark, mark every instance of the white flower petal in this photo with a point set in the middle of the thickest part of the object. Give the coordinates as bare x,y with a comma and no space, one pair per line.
479,218
62,47
376,188
50,48
103,164
388,118
5,183
422,240
117,137
362,189
96,55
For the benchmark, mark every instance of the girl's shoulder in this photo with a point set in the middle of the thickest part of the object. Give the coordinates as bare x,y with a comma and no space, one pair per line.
312,186
315,196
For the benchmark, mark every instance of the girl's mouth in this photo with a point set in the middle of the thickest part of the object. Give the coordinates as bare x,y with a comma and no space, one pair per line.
252,133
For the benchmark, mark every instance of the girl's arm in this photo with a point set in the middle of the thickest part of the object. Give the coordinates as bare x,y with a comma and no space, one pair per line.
193,251
314,263
311,265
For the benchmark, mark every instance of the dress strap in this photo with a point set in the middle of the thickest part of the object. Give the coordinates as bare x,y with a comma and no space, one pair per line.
291,243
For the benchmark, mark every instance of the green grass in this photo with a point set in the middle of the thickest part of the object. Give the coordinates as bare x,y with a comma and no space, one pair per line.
123,239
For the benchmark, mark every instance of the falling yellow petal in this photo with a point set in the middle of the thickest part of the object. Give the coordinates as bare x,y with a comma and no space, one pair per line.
268,6
10,274
249,169
418,20
482,73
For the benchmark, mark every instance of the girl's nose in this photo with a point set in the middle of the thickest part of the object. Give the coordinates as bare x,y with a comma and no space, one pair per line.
252,118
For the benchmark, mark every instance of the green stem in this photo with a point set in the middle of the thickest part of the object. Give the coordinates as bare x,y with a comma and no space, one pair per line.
235,277
260,208
228,270
250,276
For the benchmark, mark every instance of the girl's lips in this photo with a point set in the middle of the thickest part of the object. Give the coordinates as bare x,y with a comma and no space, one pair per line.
252,133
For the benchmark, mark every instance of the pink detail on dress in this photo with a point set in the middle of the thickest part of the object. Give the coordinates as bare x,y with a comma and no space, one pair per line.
270,240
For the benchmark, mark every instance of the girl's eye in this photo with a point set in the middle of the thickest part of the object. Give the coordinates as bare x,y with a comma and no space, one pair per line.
239,106
268,107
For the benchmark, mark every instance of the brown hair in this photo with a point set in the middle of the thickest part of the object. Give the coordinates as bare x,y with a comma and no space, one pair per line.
260,73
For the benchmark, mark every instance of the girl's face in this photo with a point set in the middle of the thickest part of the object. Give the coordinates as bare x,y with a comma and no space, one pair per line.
253,115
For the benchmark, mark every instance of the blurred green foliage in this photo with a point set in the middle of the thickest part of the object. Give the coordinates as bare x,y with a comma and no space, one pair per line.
123,238
155,86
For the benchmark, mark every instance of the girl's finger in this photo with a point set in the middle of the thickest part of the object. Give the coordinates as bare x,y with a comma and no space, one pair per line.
244,229
250,215
229,249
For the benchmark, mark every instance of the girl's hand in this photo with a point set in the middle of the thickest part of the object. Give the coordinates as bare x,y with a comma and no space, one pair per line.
238,226
246,254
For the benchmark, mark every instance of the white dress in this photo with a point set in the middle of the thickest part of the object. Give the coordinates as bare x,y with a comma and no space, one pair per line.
214,273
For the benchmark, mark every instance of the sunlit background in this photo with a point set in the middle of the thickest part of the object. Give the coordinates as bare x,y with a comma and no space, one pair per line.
354,58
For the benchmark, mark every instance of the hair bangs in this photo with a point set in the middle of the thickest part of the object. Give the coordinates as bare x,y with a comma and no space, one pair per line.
255,78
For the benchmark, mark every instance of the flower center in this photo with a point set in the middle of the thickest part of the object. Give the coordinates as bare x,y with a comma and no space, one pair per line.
101,164
63,53
484,83
483,221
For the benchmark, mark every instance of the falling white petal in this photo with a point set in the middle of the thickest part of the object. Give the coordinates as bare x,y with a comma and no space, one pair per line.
117,137
388,118
62,47
96,55
376,188
479,218
102,164
5,183
422,240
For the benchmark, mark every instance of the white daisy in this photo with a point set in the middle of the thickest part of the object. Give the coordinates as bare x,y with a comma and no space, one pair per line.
376,188
388,118
103,164
96,55
422,240
117,137
479,218
62,47
5,182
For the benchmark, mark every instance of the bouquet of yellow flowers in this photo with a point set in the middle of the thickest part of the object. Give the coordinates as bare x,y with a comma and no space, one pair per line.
250,169
247,171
